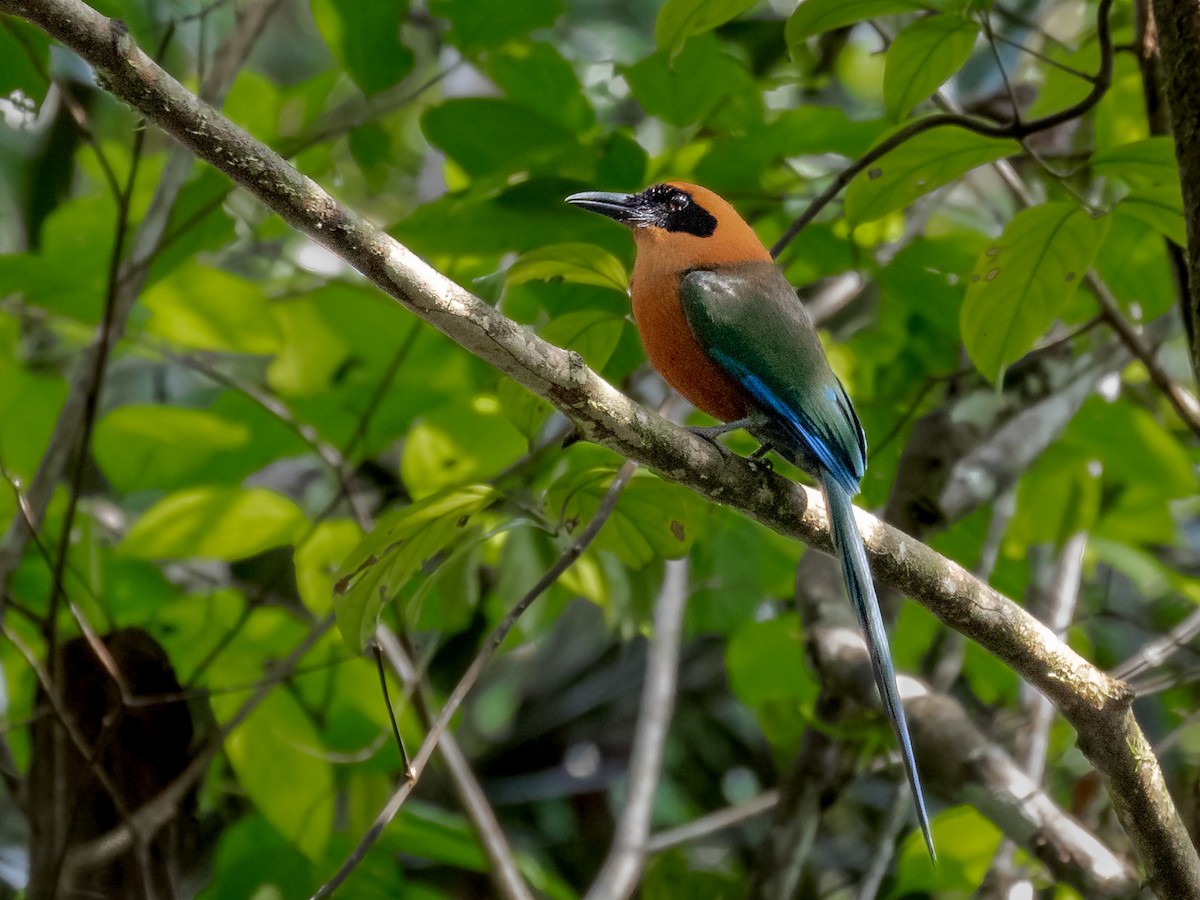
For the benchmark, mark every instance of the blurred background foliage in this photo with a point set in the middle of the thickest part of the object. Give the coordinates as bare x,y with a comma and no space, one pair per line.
259,384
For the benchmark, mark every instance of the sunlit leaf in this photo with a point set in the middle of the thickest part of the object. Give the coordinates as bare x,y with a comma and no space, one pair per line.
922,57
318,559
457,444
214,523
765,661
526,410
281,764
311,351
203,308
162,446
919,165
581,263
653,519
395,550
1022,281
966,843
592,333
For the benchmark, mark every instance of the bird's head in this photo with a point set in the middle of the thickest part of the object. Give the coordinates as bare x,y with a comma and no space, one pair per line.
683,220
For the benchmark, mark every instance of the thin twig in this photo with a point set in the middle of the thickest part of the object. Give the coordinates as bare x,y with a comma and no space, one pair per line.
1016,130
506,876
709,825
485,654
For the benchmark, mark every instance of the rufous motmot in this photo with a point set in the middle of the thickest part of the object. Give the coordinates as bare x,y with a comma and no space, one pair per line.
724,327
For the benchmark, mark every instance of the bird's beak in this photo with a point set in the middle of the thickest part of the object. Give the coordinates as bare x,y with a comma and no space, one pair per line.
616,206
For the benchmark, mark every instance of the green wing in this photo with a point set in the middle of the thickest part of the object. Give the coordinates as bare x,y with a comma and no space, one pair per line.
750,322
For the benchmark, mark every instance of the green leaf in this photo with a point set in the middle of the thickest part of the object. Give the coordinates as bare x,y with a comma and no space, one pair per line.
162,447
395,550
765,661
206,309
928,161
653,519
24,61
581,263
319,558
365,37
538,76
1132,263
966,843
594,334
742,162
526,410
1159,207
687,88
813,17
459,443
678,20
1147,454
311,351
252,854
482,24
66,275
1056,499
214,523
1022,281
922,57
486,135
282,766
1151,161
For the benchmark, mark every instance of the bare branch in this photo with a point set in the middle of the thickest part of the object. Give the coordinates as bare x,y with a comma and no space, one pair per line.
712,823
619,876
1015,129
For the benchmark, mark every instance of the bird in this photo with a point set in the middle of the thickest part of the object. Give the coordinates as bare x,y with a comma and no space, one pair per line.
722,325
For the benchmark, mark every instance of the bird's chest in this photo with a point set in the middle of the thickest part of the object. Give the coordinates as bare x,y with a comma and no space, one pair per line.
674,351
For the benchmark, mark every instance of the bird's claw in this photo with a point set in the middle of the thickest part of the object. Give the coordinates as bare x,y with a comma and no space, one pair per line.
710,435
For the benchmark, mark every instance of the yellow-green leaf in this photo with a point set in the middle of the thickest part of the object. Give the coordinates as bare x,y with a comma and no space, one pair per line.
1022,281
581,263
282,766
395,550
214,523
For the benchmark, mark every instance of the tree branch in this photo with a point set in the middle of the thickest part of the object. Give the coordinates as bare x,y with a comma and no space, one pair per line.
1178,24
1098,707
1016,129
622,869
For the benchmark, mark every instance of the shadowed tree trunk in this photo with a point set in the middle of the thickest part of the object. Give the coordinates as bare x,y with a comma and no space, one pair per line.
1178,27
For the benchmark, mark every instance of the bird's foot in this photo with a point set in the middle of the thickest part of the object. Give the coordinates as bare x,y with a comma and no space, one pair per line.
759,458
711,434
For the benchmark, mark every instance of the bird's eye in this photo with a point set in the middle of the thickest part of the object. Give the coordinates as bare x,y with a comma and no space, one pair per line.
678,202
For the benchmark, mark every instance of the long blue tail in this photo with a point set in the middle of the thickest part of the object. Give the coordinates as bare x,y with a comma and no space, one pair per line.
861,588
